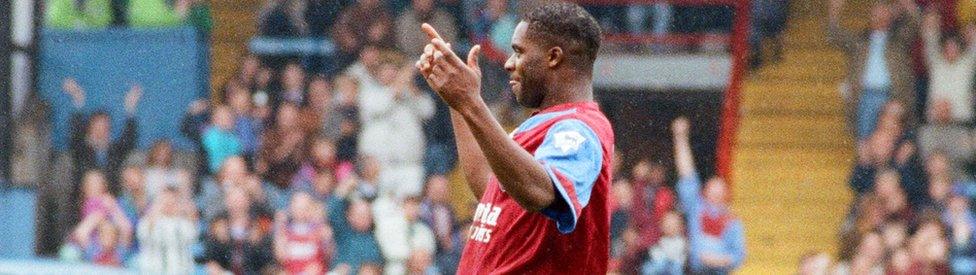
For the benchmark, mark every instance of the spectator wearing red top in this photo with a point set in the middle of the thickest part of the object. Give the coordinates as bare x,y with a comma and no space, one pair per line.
302,240
652,199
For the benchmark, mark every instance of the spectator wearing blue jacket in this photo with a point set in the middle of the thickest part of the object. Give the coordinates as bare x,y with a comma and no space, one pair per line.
716,236
220,140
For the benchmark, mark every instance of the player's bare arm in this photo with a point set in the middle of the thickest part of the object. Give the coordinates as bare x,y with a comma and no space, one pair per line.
458,83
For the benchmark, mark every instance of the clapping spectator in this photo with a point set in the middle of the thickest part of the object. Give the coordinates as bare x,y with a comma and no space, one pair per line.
717,243
302,241
952,67
235,242
392,112
166,234
877,67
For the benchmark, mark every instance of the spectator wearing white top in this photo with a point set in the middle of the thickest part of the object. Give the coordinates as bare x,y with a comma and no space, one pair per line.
951,67
166,234
401,234
392,111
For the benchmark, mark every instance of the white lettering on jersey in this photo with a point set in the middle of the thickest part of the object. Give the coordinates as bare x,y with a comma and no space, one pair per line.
485,219
568,141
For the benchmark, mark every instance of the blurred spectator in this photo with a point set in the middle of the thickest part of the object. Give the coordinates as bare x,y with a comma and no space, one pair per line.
247,125
952,67
320,114
302,240
668,255
437,213
895,203
166,234
868,258
717,243
941,135
321,15
392,111
928,249
220,140
157,13
104,233
352,28
282,148
401,233
961,220
160,172
320,161
283,18
235,242
622,207
768,22
493,25
410,39
652,200
90,145
135,197
192,126
292,87
72,14
814,263
877,67
939,189
352,221
347,96
890,145
233,173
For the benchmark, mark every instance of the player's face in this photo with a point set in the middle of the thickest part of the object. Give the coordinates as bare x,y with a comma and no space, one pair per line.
525,67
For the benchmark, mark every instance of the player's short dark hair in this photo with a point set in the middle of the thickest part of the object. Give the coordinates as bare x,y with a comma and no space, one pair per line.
568,26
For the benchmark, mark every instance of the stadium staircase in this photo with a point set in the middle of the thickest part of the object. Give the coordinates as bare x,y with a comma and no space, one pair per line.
235,22
793,152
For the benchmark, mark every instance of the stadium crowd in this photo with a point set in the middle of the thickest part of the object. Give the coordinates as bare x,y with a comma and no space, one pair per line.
913,178
339,164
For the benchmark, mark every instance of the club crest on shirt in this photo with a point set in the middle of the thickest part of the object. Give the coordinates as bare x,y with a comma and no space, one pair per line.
568,141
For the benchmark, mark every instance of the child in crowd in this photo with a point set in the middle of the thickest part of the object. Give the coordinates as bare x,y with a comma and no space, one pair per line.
668,256
302,240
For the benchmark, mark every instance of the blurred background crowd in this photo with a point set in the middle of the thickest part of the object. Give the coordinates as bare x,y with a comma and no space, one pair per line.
341,162
323,151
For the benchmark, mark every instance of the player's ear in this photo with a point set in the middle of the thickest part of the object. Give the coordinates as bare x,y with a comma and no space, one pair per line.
555,56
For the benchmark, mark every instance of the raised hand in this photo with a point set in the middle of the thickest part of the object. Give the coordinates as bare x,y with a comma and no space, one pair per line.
680,126
132,99
930,23
198,107
71,87
456,81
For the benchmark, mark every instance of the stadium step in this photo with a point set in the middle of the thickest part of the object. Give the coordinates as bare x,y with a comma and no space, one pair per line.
793,153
